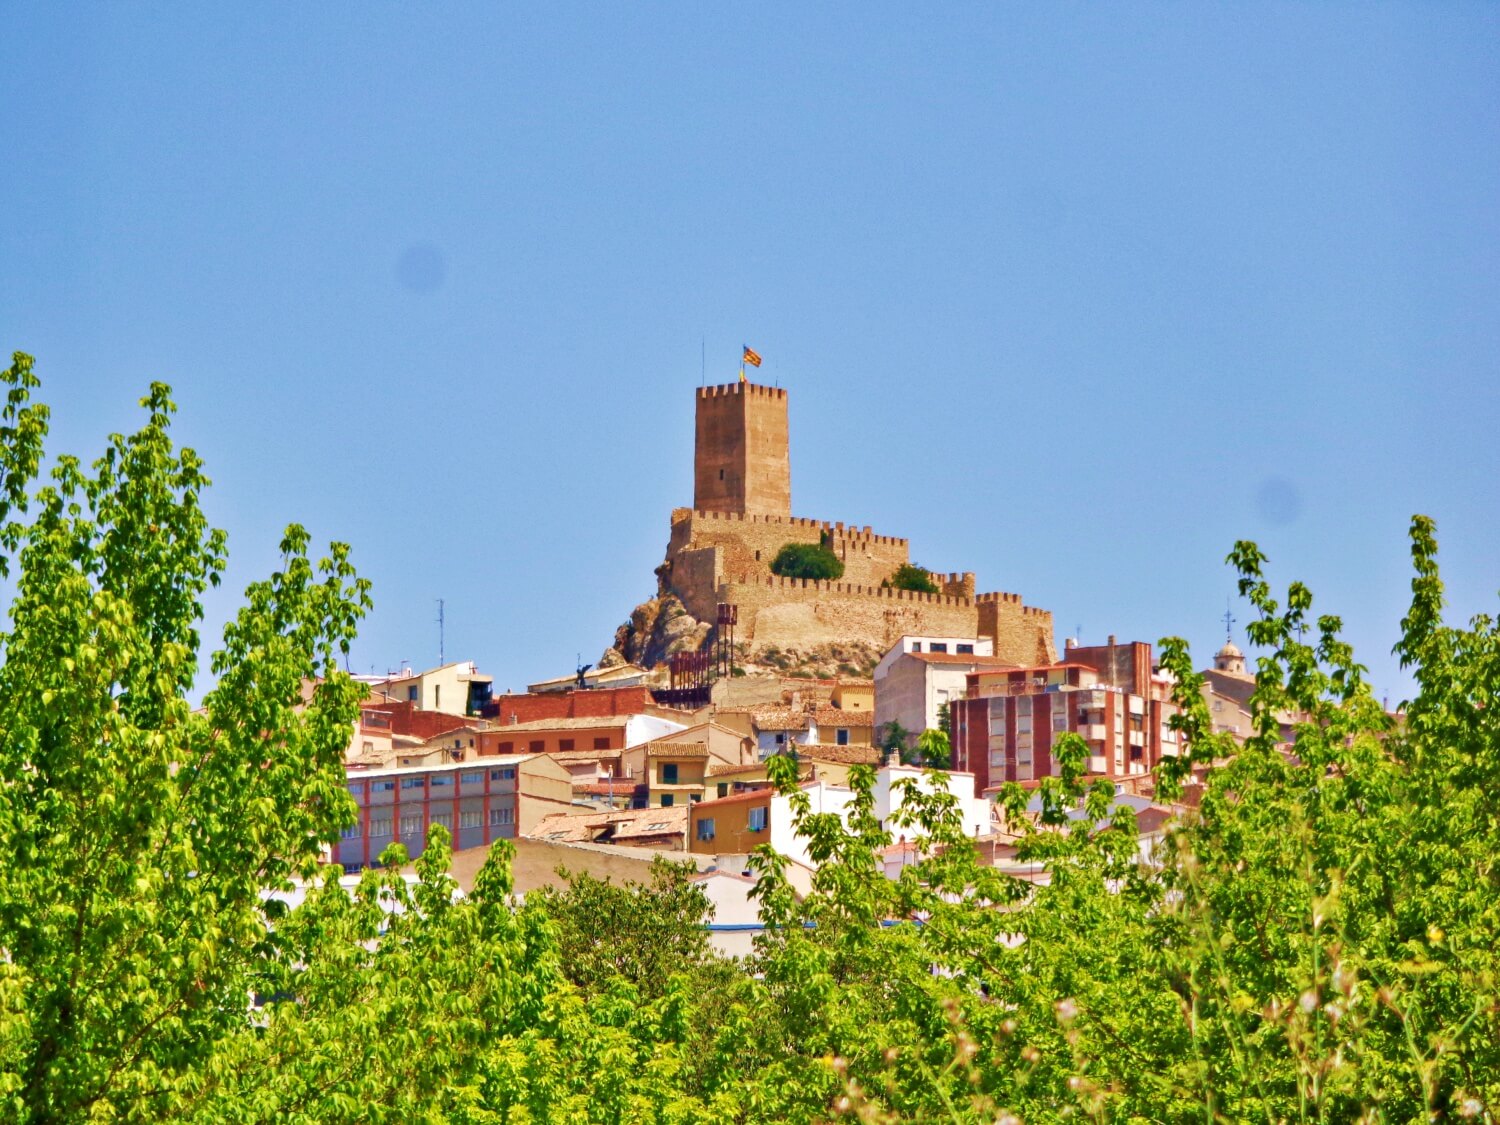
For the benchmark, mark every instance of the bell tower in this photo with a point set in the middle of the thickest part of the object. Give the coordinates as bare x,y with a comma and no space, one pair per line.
741,459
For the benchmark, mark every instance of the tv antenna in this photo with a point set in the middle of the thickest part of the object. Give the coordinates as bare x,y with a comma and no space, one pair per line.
441,627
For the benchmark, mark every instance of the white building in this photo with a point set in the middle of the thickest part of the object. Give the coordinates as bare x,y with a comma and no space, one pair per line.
920,674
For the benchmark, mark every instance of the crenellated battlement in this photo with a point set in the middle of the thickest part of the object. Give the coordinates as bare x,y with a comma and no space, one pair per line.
837,530
854,589
746,390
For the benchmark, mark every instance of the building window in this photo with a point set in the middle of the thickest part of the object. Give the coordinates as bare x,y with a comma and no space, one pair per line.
413,782
445,819
503,816
506,774
1023,765
441,780
1060,721
694,798
380,826
723,788
411,694
841,737
506,747
369,747
757,820
666,800
781,740
437,697
537,745
565,744
916,646
669,773
383,786
469,820
965,650
601,743
411,824
353,832
473,777
938,647
706,828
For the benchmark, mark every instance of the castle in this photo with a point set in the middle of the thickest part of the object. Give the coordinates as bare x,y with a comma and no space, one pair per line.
720,553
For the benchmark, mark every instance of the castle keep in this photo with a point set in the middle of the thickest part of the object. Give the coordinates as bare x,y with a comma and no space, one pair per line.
720,552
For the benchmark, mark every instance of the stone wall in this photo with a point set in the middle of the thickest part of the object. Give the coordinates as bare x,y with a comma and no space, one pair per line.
1023,633
750,541
798,613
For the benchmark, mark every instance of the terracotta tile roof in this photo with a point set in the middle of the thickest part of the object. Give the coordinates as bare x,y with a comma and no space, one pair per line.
851,755
616,824
603,721
735,798
779,720
585,755
837,717
676,750
723,771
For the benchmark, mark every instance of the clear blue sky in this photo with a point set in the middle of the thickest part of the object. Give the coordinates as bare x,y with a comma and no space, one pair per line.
1071,296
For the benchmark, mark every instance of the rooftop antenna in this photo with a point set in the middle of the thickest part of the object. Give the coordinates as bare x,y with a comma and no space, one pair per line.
1229,620
441,626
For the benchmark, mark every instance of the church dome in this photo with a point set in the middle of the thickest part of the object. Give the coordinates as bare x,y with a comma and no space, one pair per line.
1230,659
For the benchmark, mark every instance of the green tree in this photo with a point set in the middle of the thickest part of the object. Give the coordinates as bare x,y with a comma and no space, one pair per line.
909,576
636,933
141,833
808,560
934,749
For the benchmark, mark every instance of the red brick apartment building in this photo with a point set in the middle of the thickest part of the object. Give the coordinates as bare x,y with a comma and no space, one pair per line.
1108,695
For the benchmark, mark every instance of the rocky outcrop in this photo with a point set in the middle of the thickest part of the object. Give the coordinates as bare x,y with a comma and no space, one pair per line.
657,630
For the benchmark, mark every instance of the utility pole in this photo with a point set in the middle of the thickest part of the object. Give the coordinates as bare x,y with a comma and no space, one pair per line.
440,624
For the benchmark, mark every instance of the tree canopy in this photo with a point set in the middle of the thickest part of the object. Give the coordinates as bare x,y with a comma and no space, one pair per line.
1313,940
909,576
808,560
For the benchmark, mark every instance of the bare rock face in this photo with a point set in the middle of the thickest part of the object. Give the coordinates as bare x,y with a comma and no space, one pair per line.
657,630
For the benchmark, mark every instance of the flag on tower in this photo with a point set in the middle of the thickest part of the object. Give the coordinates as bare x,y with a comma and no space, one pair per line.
752,358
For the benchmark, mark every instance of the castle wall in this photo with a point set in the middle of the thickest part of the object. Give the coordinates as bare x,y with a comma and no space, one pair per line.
750,541
696,575
1023,633
797,613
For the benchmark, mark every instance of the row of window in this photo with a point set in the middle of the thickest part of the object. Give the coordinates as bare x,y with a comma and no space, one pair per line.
436,780
539,745
942,646
411,823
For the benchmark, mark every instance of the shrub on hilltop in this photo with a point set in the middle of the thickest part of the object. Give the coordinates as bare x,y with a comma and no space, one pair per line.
808,560
911,577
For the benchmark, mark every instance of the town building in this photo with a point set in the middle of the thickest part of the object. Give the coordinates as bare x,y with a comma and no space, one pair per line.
477,802
457,688
556,736
737,824
919,676
1006,728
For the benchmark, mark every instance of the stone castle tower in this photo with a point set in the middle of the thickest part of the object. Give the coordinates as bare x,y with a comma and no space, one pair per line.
741,459
720,552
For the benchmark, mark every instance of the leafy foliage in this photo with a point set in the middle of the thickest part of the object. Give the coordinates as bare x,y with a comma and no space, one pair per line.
808,560
1314,942
909,576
